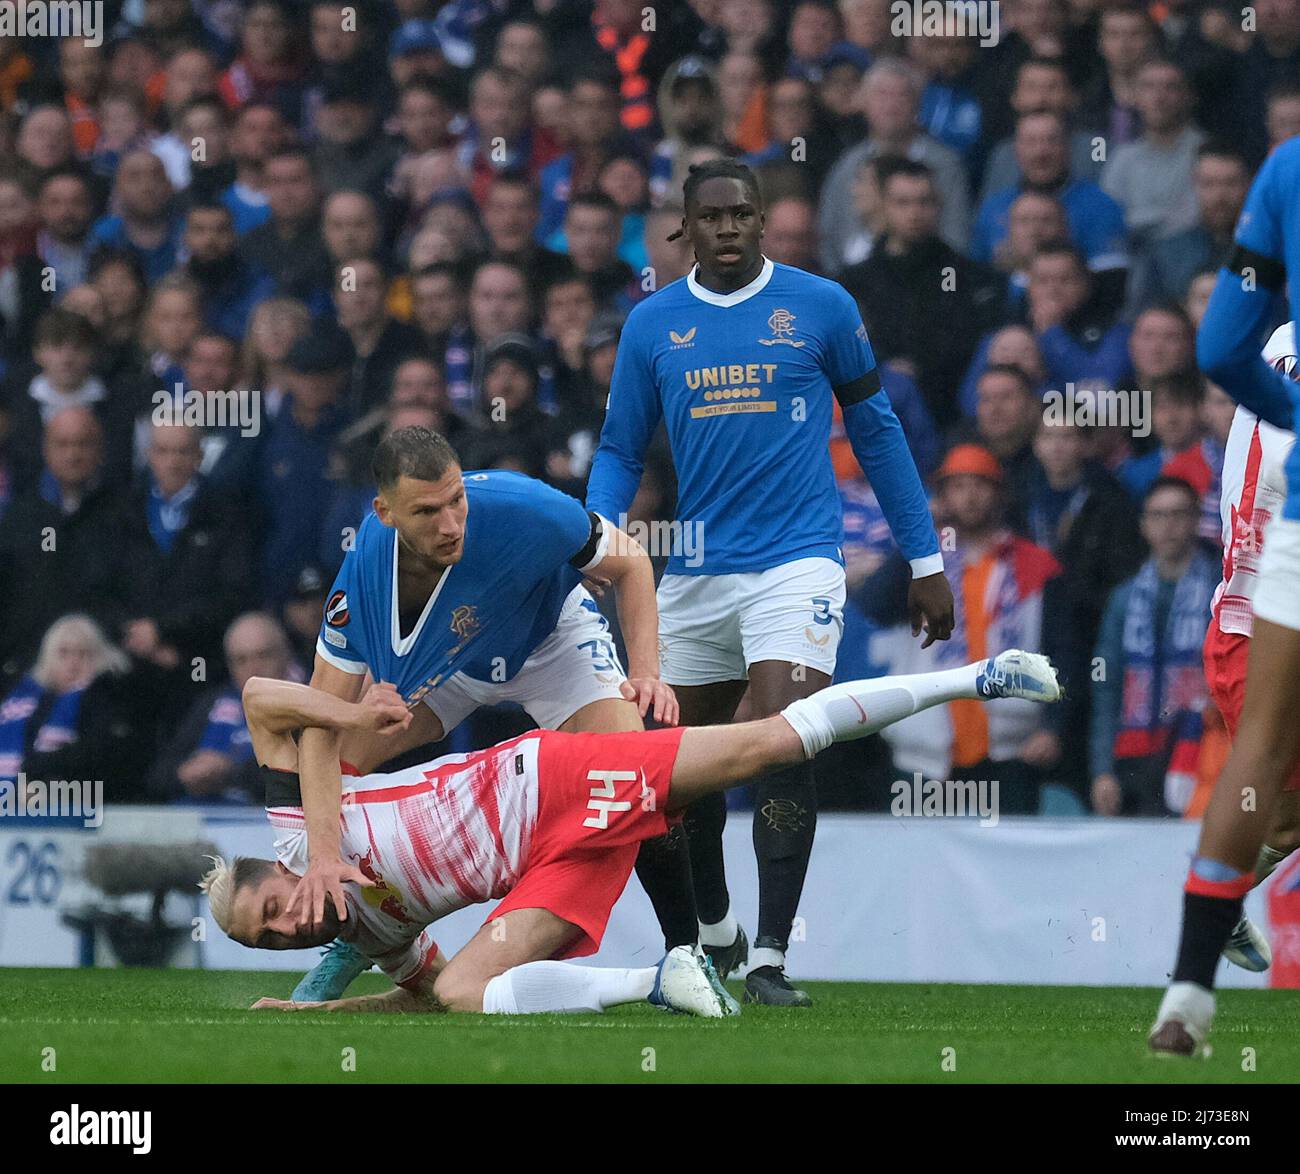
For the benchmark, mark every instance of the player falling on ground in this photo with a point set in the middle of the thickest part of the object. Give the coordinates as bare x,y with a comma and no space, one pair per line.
464,589
741,359
1254,486
550,822
1242,807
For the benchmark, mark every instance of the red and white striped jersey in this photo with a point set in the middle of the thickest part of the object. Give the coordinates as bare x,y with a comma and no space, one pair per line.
1254,488
434,837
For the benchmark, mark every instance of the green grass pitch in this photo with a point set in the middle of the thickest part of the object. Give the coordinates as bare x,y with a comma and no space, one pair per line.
124,1026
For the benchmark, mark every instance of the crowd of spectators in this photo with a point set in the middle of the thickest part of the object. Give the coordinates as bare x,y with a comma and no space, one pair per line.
242,239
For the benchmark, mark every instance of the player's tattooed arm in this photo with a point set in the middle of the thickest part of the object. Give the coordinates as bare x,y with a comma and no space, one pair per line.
416,997
622,561
397,1000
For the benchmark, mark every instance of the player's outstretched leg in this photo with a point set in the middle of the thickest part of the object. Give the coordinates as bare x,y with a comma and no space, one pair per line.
836,713
1239,815
855,709
713,758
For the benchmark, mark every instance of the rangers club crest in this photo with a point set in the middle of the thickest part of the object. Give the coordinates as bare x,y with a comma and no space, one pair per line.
781,324
464,622
336,610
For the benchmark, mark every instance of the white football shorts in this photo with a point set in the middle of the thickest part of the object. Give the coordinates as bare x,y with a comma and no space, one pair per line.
574,666
712,627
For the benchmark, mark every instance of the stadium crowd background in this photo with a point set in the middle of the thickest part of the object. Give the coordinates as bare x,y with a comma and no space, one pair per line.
368,216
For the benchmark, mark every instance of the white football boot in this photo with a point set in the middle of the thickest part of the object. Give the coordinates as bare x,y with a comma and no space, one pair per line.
1016,673
1247,947
684,984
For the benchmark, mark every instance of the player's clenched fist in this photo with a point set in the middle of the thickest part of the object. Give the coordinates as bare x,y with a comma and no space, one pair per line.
382,710
651,695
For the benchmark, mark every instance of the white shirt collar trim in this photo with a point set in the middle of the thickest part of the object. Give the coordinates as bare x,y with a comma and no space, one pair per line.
744,293
401,646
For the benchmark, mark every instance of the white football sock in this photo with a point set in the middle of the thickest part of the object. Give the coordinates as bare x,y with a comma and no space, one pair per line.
560,986
1267,861
858,708
719,933
765,956
1190,1003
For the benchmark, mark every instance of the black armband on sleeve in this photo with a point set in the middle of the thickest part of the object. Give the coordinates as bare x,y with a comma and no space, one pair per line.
588,551
1269,274
856,390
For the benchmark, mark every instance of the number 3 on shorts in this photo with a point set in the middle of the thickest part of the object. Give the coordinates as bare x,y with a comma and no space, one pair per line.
821,611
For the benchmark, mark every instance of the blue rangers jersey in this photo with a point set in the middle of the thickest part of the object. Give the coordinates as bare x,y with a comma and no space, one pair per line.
525,547
743,382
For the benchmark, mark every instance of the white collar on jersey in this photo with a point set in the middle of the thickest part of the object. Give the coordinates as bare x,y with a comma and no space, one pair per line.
737,295
402,646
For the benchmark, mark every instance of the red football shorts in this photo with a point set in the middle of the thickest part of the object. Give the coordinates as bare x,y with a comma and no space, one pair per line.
1225,671
598,797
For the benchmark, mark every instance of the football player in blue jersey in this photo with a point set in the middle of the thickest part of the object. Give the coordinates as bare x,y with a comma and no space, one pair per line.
1230,855
465,589
740,359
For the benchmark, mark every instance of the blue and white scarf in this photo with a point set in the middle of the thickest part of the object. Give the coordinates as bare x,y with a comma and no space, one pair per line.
1164,681
168,516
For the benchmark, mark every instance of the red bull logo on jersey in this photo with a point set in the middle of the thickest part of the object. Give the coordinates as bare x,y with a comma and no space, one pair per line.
382,897
781,324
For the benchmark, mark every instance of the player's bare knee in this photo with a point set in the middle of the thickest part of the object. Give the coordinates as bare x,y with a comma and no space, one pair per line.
779,745
459,992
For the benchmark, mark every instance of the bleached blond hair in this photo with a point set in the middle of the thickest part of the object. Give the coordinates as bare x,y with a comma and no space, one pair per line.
223,881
